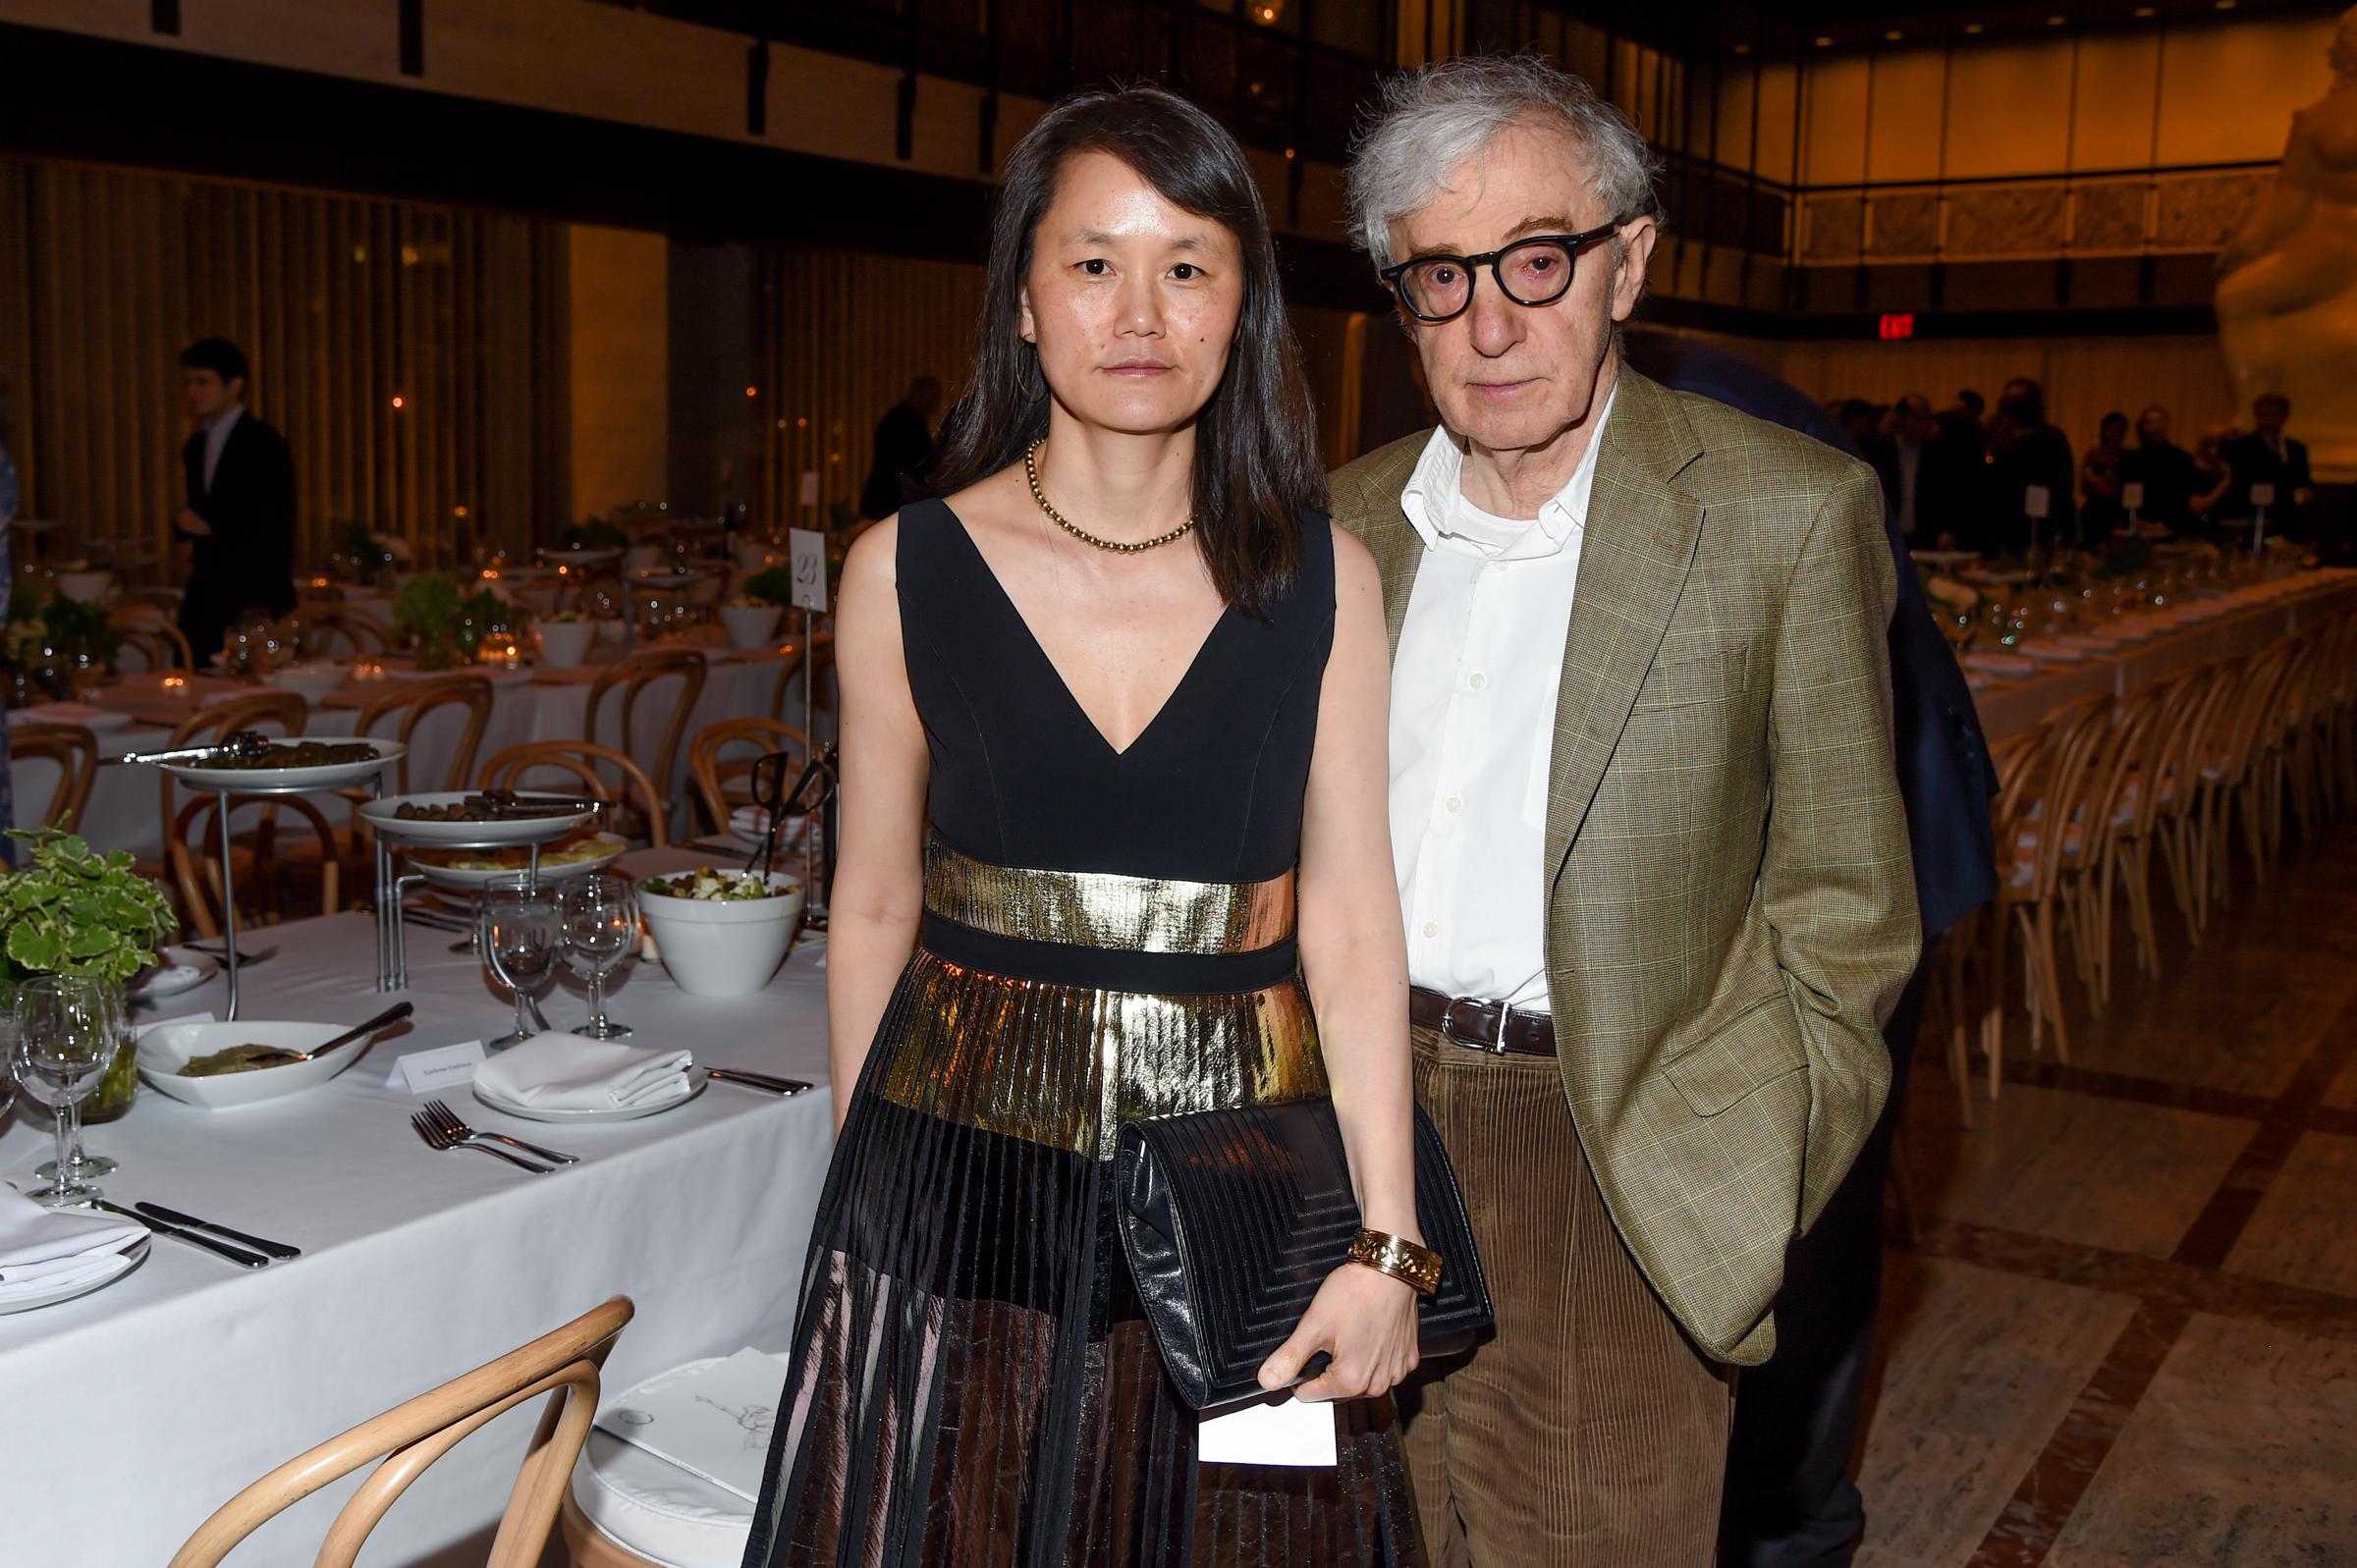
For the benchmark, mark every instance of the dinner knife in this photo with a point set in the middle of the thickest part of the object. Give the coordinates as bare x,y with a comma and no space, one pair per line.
237,1255
173,1217
757,1080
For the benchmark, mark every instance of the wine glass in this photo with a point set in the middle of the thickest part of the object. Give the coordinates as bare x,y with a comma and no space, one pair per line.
598,918
65,1041
81,1164
518,932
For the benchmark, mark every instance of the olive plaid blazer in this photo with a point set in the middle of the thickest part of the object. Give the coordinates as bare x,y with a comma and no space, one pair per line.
1731,911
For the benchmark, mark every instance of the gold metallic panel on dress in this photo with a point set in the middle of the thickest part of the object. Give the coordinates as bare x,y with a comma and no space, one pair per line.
1105,910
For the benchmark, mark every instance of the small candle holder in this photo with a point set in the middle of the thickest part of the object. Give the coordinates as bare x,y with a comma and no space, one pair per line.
367,669
175,684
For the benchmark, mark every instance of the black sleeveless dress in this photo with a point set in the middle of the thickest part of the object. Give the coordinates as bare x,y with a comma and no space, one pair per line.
1107,935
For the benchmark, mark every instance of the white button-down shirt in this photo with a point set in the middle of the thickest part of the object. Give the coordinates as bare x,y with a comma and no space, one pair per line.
1472,728
216,436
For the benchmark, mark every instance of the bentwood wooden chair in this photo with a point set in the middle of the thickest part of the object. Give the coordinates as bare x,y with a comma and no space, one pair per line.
339,630
74,750
2233,775
396,714
280,713
563,1366
648,673
2037,823
589,765
721,781
150,632
2121,764
193,852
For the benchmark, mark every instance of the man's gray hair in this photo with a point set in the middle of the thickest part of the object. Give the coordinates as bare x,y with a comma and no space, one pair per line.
1431,121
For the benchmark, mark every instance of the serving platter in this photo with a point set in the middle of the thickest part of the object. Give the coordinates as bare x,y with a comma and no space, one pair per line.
608,847
286,781
384,816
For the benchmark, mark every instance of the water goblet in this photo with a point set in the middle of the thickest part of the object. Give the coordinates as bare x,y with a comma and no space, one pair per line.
81,1164
65,1042
598,918
518,932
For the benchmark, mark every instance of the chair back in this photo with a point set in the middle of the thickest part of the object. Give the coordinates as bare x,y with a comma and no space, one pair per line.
563,1364
585,761
340,629
2187,701
2122,776
192,848
2246,713
75,752
636,673
2047,788
413,701
146,629
285,712
716,776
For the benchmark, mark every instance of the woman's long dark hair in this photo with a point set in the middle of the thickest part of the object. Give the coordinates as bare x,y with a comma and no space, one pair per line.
1256,442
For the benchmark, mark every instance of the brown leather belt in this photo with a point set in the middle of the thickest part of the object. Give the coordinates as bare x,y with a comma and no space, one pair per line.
1479,1025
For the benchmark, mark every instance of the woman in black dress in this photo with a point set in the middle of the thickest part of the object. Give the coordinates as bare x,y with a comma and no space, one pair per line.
1114,845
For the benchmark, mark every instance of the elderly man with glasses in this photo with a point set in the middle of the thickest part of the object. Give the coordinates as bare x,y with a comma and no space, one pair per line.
1646,825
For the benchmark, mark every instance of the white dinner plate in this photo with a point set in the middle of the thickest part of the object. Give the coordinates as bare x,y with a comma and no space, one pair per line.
129,1257
171,978
382,815
696,1079
610,846
333,776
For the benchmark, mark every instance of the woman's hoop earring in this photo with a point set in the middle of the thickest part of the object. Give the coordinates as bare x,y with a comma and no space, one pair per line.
1027,378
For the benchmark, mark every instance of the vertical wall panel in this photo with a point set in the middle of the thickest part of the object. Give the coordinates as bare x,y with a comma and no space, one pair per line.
340,303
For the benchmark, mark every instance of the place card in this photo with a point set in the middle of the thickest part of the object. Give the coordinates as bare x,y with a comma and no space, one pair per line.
1275,1430
425,1072
2263,495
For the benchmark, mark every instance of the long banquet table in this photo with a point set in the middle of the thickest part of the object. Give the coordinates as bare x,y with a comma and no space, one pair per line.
551,705
127,1416
2248,620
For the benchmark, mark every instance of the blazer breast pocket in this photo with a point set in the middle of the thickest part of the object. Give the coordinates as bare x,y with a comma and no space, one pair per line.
1686,678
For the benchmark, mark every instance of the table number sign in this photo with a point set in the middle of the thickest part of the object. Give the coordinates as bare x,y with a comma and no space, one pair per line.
423,1072
2038,502
2263,495
810,548
2132,496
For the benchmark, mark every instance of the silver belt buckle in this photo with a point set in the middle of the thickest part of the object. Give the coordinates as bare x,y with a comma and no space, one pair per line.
1494,1045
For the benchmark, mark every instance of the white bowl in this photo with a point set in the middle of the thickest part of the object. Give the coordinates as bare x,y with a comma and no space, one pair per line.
724,948
163,1049
564,643
749,626
88,586
313,677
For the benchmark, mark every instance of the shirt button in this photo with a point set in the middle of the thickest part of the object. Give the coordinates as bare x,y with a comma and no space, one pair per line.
1454,805
1432,928
1478,680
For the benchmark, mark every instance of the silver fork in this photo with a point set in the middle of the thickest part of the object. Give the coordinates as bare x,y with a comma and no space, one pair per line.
447,1121
436,1138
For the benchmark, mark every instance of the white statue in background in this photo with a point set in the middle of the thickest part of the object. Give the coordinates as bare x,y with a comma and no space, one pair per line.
2287,283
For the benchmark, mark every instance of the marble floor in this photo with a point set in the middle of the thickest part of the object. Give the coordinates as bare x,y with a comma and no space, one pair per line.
2122,1331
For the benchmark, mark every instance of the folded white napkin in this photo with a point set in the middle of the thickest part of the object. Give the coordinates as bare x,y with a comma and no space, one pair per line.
49,1249
566,1072
56,713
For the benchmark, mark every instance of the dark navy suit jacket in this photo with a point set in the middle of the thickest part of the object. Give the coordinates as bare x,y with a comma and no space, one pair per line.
1943,770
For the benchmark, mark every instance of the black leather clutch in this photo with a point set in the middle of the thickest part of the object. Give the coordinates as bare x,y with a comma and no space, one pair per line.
1233,1219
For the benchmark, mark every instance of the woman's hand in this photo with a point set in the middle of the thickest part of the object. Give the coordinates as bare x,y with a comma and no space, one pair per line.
1366,1321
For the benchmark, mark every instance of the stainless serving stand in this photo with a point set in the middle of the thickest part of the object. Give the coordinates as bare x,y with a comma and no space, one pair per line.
392,891
258,786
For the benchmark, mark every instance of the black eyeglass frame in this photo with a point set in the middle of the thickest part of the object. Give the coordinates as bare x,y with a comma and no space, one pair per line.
1495,260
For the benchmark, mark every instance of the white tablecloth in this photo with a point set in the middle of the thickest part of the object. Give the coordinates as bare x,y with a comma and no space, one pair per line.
128,1415
122,811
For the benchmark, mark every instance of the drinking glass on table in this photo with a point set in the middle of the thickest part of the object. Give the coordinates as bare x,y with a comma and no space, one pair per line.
598,921
65,1039
518,932
83,1167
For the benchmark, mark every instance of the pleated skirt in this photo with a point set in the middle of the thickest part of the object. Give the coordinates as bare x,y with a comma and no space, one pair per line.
973,1383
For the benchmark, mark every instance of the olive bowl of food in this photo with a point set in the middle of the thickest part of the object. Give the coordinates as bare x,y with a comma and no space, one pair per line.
220,1066
720,933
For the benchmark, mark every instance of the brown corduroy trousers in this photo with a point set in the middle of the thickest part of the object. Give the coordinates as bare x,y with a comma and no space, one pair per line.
1589,1433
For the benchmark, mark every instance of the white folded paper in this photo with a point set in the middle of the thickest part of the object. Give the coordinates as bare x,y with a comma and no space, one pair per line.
566,1072
49,1249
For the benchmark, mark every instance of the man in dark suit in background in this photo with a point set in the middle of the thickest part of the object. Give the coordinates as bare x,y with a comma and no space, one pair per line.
240,518
2026,455
2268,456
903,448
1789,1500
1907,462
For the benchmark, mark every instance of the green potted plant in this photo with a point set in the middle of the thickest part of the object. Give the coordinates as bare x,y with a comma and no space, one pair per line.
481,613
427,609
72,910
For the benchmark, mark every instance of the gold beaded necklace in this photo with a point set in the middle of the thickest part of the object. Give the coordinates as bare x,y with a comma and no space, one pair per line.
1031,473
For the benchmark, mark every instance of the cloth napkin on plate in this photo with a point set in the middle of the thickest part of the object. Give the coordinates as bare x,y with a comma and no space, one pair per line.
49,1249
566,1072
